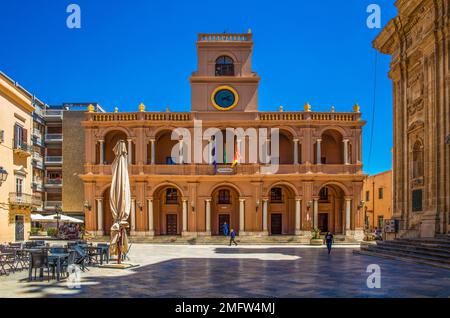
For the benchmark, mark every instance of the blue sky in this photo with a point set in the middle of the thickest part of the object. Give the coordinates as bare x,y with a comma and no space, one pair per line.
128,52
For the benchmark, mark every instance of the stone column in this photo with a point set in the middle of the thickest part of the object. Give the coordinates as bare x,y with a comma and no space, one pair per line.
130,151
318,151
133,217
298,218
208,216
185,216
265,215
152,142
295,151
102,151
348,202
316,213
241,216
151,229
345,141
100,217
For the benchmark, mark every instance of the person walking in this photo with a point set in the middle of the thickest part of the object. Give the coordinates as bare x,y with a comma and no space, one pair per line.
225,228
329,241
232,236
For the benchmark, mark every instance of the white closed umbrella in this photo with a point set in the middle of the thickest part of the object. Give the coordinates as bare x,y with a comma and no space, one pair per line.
120,201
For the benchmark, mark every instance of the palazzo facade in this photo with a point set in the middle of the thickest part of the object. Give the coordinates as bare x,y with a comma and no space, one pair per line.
418,40
316,182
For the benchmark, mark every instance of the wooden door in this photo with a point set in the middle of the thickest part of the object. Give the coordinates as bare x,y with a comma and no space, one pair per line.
171,224
276,223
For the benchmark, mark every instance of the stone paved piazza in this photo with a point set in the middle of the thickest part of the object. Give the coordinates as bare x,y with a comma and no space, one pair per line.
243,271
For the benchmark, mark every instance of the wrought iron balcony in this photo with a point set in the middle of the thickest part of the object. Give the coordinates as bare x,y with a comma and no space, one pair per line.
21,148
50,205
53,160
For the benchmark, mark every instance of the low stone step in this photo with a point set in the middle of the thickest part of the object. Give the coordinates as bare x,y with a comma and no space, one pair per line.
402,242
408,246
392,249
400,258
407,255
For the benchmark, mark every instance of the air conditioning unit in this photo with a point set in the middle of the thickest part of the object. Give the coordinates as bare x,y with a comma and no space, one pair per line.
2,136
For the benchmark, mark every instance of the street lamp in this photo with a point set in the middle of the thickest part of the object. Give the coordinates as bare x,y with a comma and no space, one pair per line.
58,211
3,175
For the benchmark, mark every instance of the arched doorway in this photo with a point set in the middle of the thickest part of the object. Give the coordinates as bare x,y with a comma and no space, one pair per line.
331,209
164,145
167,207
332,148
281,214
286,147
225,208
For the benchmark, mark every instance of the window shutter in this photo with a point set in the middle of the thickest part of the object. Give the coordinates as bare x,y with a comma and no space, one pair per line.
24,136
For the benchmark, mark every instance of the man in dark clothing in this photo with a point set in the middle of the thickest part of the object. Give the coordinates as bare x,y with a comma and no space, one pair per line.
329,241
232,236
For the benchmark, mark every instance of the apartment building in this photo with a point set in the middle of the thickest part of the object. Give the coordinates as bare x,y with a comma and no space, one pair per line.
16,198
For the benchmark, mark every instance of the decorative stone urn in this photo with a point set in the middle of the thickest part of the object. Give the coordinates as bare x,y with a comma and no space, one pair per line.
315,239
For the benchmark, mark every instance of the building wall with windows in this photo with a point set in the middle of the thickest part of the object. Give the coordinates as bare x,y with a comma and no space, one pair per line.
16,124
377,195
189,195
418,40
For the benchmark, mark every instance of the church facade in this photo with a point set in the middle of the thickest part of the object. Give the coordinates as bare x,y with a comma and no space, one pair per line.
418,40
263,173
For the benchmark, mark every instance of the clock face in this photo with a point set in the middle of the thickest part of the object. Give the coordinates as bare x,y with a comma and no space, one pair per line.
224,98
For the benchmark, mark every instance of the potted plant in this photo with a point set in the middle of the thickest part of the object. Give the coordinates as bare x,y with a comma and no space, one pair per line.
315,239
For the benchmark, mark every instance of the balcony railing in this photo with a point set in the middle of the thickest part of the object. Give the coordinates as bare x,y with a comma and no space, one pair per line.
37,185
301,116
24,199
53,160
221,37
37,133
53,114
52,204
240,169
52,182
53,138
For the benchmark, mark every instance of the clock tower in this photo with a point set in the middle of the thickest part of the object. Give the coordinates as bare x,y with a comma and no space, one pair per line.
224,80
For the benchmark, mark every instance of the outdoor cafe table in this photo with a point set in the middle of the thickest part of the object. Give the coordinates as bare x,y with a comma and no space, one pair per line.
59,258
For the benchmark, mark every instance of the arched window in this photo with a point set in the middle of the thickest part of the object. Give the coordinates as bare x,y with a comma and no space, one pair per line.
171,196
417,160
224,66
224,196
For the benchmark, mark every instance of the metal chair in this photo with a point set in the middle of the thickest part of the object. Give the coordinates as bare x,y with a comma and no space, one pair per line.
39,261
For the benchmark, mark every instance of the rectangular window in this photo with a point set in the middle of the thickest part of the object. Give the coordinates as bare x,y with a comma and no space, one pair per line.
19,186
171,196
380,193
417,200
367,196
224,197
276,195
323,194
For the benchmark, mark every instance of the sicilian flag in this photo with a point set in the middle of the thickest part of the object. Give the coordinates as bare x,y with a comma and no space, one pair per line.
236,157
